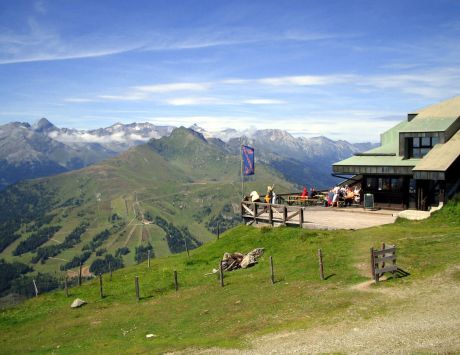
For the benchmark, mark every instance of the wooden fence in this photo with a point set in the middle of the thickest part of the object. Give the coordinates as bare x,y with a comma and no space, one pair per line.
258,212
380,260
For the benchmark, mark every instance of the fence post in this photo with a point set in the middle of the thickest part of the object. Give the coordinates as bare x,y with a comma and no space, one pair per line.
284,215
218,231
270,214
136,283
301,220
66,289
79,274
35,287
321,266
375,276
110,270
100,286
272,272
221,273
176,284
186,247
255,212
383,248
148,258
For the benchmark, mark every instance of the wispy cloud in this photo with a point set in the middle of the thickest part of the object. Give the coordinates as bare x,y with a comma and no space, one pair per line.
38,43
264,102
172,87
78,100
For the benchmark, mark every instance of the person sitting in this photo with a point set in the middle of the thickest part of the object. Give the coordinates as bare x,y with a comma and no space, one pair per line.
349,197
254,196
357,193
313,192
304,194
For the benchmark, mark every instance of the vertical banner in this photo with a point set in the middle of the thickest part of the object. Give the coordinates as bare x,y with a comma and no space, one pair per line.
247,154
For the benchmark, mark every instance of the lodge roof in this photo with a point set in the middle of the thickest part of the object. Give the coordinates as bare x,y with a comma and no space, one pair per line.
441,156
435,118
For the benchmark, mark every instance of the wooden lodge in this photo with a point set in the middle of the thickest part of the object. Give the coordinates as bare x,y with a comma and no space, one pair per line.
417,165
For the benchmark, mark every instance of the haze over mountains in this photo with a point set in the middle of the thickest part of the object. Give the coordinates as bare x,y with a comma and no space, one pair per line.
42,149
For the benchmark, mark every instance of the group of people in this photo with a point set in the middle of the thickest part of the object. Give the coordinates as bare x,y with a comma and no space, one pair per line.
305,195
343,193
270,196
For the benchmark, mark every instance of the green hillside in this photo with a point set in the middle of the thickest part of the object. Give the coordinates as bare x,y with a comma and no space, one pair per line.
203,314
161,195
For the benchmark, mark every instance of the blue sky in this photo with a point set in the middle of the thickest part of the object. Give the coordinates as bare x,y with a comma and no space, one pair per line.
343,69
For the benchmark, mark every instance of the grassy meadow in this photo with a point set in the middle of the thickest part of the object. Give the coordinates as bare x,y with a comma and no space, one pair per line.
203,314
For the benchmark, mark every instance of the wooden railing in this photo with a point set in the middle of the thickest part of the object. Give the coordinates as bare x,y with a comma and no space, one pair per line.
383,260
258,212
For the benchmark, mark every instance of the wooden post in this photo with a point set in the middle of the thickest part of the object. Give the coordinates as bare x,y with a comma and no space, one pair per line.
186,247
372,263
148,258
221,273
79,274
66,289
270,214
383,263
35,287
394,262
321,266
101,292
272,272
136,283
110,270
301,220
254,205
284,215
218,231
176,284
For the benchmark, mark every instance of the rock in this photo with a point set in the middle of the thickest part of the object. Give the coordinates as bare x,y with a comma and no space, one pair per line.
148,336
77,303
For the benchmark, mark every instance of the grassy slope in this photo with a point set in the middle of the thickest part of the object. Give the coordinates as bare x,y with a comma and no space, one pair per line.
174,178
203,314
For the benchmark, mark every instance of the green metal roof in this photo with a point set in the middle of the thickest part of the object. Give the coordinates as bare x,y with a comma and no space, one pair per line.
442,156
434,118
378,161
425,124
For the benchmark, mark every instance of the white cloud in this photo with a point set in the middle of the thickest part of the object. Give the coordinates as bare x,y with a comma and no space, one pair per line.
172,87
191,101
264,102
37,43
307,80
78,100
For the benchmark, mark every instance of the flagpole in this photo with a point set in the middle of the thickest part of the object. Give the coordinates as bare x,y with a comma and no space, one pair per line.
242,176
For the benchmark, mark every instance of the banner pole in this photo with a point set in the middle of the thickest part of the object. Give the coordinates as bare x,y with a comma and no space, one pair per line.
242,175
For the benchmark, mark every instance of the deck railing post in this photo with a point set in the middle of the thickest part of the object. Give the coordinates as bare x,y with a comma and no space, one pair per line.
270,214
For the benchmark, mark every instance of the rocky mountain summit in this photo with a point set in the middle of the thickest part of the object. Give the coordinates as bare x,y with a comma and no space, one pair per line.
43,149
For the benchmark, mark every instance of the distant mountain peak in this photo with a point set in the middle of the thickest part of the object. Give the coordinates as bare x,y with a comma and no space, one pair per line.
43,125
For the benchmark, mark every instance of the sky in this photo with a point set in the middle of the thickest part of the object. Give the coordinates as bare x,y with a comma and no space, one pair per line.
342,69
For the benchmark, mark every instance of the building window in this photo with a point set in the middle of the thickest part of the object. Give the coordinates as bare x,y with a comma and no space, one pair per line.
384,184
420,146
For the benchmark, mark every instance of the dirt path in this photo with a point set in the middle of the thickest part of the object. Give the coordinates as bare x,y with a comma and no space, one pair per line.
426,318
130,235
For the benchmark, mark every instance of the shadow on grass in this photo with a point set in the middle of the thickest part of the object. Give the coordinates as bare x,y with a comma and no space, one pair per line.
401,273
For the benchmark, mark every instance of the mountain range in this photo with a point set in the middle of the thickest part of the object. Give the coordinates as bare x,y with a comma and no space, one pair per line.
171,194
42,149
175,191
